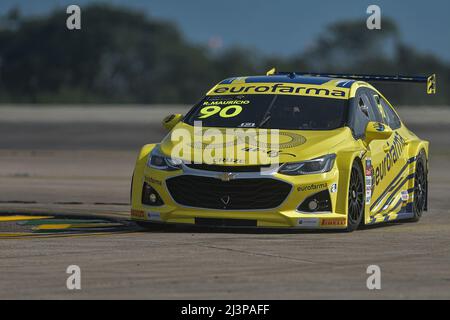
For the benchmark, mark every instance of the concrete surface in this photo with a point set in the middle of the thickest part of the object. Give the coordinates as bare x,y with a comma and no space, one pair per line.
80,161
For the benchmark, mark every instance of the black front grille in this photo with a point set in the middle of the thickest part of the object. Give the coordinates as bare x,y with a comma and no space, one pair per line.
238,194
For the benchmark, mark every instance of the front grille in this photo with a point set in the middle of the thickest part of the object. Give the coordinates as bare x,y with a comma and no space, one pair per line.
238,194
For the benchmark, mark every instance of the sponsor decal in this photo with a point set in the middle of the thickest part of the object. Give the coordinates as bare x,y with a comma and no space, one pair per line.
313,187
137,213
390,158
281,88
368,179
247,125
295,140
151,180
368,196
308,222
333,188
226,160
225,102
405,195
252,138
152,215
333,222
270,153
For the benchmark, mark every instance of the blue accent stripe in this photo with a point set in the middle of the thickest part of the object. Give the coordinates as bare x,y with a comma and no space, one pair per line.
406,209
391,197
405,215
399,202
287,79
391,185
228,81
345,84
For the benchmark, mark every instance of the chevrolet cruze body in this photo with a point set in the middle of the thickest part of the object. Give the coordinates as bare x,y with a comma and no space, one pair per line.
344,159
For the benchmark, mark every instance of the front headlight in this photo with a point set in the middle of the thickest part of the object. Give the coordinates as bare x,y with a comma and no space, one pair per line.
159,161
317,165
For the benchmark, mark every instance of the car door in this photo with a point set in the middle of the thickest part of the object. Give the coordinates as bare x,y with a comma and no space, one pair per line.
389,160
367,111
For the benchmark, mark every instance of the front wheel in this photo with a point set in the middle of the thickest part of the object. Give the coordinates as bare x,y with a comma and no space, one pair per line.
355,211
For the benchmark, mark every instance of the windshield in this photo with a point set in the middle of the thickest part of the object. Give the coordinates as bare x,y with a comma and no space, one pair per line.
288,112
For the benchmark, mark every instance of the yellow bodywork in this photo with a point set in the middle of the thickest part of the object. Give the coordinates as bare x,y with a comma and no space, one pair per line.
385,203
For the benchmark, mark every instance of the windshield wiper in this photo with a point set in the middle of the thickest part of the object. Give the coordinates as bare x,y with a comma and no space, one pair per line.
265,120
267,114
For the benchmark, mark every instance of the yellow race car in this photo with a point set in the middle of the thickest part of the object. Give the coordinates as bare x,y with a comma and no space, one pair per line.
287,150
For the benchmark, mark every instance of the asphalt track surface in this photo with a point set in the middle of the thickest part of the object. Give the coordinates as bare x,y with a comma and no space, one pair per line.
71,167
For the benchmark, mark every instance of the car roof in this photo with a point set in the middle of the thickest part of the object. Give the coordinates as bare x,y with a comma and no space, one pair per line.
292,78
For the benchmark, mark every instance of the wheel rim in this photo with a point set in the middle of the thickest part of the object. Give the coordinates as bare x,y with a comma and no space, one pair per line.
420,188
355,197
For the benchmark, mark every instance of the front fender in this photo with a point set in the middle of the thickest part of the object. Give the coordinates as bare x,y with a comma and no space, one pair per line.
344,162
138,175
414,148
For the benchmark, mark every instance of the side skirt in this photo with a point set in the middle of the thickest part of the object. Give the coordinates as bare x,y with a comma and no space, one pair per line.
406,212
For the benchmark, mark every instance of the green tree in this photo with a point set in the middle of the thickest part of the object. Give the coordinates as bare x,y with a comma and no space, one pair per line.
124,56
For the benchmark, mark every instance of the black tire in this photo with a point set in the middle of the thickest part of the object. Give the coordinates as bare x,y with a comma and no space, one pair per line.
420,193
355,211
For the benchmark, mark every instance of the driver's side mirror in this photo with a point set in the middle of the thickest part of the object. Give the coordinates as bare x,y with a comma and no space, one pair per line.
171,121
377,131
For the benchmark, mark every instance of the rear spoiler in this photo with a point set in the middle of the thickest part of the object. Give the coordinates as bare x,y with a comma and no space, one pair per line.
429,80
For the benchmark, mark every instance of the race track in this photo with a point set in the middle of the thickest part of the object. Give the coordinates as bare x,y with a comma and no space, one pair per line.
71,168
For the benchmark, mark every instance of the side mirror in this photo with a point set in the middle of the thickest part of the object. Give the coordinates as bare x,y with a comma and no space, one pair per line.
377,131
171,121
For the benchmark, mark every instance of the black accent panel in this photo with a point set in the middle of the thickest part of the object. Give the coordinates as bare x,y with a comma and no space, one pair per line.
220,168
146,191
238,194
212,222
323,202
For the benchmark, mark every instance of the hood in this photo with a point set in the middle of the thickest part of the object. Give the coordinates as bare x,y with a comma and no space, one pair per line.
231,146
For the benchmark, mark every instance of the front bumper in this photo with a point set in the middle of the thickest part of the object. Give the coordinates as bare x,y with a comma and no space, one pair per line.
285,215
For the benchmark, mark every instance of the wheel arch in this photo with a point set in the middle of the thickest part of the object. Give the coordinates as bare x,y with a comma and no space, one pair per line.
415,147
138,174
344,161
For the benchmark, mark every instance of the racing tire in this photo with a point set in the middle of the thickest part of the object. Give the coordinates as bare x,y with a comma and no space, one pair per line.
420,192
355,210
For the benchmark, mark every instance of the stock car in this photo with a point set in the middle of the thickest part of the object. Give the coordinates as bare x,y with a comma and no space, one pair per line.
344,159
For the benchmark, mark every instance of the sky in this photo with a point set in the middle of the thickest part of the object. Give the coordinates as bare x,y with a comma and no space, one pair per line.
280,27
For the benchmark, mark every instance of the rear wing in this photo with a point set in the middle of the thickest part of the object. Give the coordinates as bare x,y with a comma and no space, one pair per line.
429,80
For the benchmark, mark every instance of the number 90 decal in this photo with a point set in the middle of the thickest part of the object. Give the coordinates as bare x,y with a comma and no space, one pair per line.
227,112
